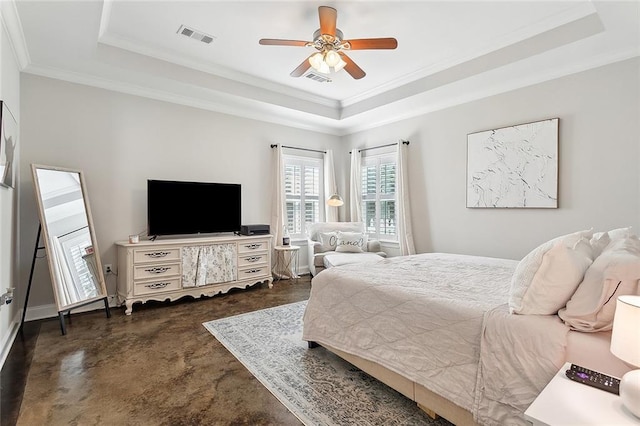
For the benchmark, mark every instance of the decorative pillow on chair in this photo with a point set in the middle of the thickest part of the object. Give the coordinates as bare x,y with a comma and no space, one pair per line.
614,273
328,241
546,278
351,242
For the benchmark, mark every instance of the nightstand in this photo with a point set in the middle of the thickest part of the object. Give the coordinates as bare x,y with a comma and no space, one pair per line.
286,262
565,402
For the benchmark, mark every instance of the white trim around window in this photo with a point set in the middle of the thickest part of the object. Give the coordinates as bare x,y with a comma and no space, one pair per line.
304,193
378,196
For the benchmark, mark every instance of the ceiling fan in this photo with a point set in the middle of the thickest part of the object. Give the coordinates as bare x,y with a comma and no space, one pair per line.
331,46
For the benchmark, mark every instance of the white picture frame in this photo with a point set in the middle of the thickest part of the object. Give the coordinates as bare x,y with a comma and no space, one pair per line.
514,167
8,146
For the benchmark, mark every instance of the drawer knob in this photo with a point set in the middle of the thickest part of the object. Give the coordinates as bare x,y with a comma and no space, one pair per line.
253,258
158,269
157,254
157,285
253,246
251,271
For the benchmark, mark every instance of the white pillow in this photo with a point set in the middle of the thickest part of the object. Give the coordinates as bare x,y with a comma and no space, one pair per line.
614,273
328,241
598,242
545,279
621,233
351,242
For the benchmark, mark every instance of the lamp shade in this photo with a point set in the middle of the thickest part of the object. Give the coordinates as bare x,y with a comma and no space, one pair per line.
625,338
339,65
335,201
332,58
316,60
625,344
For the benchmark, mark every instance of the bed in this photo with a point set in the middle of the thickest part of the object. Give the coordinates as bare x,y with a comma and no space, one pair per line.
437,327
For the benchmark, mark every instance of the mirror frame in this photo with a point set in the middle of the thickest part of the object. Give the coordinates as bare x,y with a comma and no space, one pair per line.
45,232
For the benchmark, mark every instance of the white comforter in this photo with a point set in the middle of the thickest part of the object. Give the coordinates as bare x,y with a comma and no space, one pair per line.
423,316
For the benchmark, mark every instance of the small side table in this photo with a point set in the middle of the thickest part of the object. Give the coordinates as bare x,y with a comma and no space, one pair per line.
565,402
286,262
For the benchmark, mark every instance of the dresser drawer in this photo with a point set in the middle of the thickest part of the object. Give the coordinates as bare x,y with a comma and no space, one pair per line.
156,255
158,271
252,259
252,246
253,272
156,286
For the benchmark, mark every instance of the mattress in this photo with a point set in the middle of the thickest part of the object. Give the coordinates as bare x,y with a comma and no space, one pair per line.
442,321
420,316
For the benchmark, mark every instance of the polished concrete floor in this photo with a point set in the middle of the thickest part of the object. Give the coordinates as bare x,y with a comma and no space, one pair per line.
159,366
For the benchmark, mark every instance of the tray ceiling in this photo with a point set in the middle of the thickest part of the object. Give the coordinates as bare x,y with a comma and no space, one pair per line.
448,52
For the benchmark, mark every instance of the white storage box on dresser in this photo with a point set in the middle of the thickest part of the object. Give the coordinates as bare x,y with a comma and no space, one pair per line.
170,269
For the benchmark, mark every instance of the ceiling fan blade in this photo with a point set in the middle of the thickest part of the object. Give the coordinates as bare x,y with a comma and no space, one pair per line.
371,43
279,42
354,70
328,18
302,68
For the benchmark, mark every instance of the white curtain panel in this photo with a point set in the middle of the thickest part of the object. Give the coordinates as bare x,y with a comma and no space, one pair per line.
277,196
403,209
330,187
354,188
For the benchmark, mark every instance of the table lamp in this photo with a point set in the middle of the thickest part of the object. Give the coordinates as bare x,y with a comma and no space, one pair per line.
625,344
335,200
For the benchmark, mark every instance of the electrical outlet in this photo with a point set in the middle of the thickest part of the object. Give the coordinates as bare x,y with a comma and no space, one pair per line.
7,297
108,269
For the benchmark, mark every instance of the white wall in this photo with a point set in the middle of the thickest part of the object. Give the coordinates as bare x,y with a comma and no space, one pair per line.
598,163
9,217
119,141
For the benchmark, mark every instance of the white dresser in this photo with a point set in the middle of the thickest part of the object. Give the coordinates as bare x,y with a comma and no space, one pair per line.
172,268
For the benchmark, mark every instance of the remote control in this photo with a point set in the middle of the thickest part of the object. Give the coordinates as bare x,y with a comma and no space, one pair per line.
593,378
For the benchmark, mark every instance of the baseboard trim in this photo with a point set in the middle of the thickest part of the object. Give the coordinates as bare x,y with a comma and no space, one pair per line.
7,344
51,310
40,312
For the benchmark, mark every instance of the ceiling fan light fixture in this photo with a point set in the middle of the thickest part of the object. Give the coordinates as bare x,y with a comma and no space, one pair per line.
324,68
339,65
332,58
330,45
316,60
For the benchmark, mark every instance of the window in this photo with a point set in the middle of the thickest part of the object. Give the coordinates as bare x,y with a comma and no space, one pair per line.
379,196
304,193
75,248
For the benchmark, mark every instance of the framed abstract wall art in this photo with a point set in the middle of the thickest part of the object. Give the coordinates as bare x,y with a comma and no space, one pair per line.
8,145
514,167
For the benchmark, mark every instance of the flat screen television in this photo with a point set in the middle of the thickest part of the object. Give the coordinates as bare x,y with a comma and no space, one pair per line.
183,208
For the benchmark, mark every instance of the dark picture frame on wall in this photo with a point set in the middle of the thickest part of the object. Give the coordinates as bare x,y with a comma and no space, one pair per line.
514,166
8,145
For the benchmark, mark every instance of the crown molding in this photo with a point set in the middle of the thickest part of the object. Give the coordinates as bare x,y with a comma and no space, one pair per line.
581,10
408,108
214,70
388,114
222,103
13,29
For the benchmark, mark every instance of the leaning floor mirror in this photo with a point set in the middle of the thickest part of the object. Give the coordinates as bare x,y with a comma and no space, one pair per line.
69,239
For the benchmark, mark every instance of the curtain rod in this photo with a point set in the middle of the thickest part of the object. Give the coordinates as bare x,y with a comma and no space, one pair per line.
301,149
382,146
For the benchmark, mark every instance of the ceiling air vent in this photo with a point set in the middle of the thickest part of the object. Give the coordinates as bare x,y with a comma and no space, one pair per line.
195,34
318,77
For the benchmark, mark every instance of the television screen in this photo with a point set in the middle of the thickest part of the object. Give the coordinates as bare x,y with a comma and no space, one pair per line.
177,208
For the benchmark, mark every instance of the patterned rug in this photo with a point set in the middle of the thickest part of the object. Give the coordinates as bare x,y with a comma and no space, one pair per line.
315,385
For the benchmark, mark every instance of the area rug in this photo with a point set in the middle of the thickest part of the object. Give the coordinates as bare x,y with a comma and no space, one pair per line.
317,386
